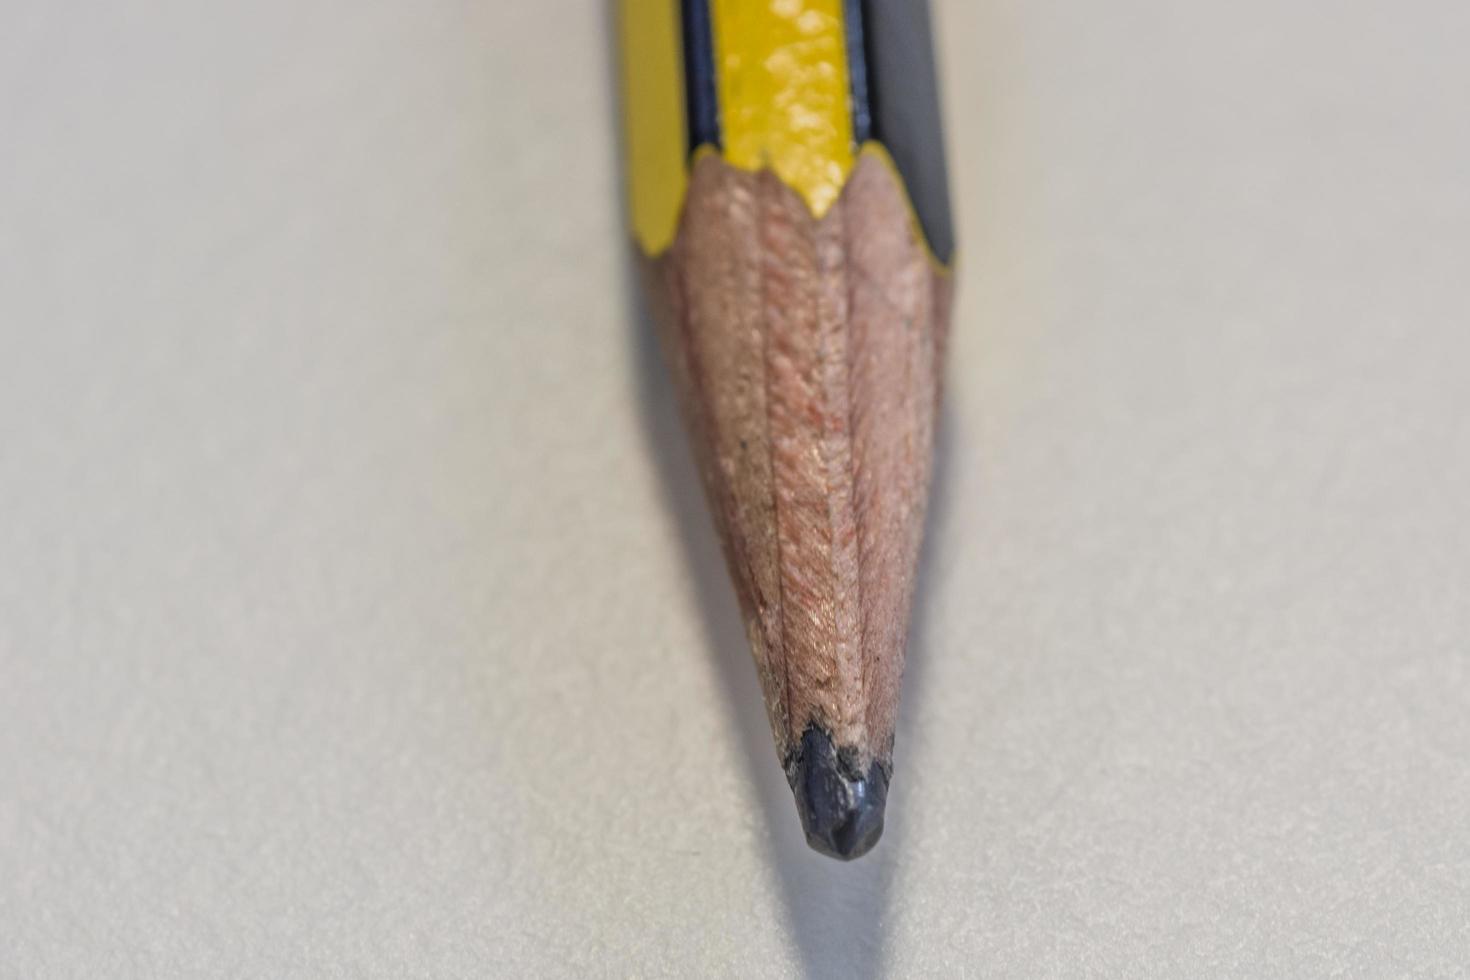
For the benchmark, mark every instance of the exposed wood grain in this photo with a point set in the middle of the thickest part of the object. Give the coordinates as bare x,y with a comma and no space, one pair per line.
807,355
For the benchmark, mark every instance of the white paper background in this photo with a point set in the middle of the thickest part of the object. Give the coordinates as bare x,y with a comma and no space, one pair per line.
358,616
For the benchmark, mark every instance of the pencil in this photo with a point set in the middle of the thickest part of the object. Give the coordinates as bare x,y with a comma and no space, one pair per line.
789,203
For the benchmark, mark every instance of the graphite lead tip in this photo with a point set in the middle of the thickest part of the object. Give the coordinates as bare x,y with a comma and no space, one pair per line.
841,808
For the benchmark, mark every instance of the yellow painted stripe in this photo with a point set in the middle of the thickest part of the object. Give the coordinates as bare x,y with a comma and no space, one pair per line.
653,107
783,91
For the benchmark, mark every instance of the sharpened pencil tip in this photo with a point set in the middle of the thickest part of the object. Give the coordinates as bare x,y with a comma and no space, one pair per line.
841,809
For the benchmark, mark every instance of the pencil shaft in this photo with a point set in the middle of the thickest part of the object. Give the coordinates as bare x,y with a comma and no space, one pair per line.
803,309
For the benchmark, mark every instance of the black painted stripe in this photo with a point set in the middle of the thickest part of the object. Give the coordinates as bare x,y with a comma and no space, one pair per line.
857,70
700,99
895,101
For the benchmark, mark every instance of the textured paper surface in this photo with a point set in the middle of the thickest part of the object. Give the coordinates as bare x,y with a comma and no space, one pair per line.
358,613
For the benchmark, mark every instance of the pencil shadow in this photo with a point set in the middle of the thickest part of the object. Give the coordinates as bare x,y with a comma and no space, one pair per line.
835,913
